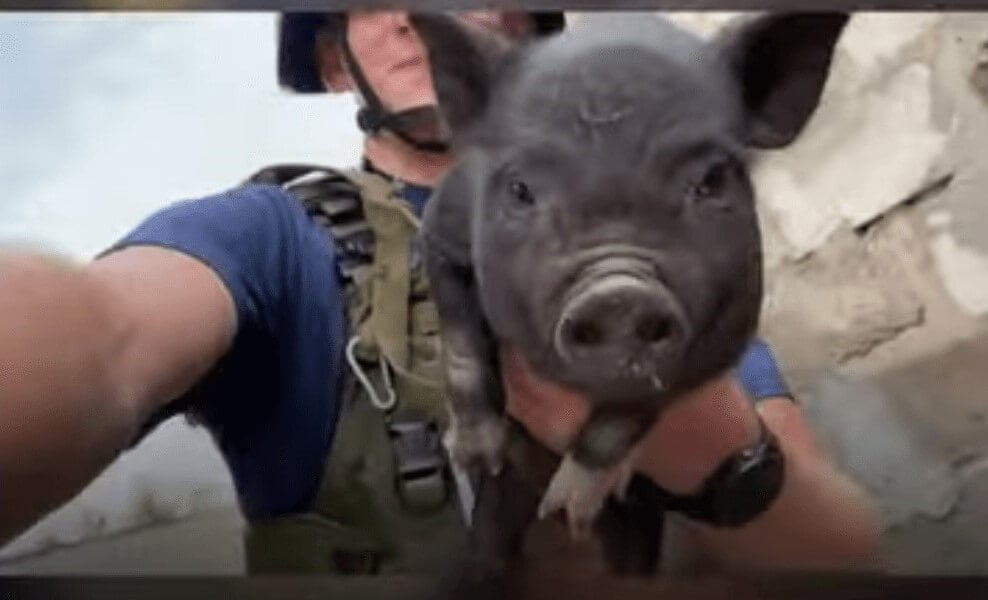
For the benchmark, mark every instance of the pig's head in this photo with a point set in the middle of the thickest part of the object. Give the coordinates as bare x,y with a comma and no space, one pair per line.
611,222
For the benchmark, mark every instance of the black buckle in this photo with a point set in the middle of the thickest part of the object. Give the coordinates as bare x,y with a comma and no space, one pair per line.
420,465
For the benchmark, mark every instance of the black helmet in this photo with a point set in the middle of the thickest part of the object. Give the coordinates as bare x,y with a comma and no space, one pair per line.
298,71
297,68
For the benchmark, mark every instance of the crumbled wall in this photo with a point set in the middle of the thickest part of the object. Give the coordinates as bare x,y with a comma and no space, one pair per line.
873,219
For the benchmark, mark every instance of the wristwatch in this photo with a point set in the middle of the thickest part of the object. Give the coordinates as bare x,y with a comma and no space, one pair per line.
741,488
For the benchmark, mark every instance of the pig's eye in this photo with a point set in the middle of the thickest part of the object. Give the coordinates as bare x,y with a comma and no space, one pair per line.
520,193
711,184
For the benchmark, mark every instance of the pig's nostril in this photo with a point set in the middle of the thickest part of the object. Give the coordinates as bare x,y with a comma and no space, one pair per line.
586,333
653,329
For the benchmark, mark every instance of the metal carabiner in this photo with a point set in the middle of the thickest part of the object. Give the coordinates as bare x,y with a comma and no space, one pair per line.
392,397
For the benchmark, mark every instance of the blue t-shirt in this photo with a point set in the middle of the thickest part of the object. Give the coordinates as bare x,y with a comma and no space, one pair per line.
272,402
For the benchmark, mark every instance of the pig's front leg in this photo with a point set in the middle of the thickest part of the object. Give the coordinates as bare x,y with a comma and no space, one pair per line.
477,424
597,465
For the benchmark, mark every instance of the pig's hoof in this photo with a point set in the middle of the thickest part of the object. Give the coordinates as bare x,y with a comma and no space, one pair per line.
482,441
579,490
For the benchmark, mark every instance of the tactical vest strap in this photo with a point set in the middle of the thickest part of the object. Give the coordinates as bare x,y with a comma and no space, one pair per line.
385,495
394,227
402,323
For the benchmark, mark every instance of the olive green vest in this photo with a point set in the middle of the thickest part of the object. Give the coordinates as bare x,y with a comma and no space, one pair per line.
386,502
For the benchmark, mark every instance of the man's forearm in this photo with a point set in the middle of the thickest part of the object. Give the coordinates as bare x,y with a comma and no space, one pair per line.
62,420
821,519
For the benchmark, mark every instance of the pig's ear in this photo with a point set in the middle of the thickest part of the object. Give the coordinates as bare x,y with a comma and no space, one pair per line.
463,59
780,62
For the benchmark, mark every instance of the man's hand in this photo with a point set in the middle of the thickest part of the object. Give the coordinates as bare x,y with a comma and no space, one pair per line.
821,519
681,450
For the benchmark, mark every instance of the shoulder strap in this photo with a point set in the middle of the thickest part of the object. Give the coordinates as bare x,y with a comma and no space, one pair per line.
332,199
384,485
373,231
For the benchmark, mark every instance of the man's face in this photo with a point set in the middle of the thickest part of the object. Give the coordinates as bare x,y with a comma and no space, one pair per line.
393,59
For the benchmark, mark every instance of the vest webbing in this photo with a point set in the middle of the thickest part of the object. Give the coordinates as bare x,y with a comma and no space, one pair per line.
366,517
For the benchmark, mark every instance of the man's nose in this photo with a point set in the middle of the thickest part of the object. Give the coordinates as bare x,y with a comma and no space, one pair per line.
401,24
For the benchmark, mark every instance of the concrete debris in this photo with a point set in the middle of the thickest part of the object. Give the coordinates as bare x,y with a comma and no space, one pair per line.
979,74
882,449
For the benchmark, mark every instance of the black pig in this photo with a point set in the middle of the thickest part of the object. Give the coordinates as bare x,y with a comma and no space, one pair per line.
600,218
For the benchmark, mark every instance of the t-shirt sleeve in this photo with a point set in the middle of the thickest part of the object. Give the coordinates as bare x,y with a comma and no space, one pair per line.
759,374
280,271
248,236
271,402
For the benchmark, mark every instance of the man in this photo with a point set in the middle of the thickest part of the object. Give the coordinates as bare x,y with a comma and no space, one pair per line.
239,309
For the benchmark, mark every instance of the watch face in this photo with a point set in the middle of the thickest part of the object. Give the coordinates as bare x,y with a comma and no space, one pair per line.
743,487
752,485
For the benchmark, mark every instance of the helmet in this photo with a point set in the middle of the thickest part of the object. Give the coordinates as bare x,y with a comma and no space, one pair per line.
299,71
297,67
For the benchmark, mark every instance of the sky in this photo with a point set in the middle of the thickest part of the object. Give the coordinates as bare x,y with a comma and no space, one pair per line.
106,117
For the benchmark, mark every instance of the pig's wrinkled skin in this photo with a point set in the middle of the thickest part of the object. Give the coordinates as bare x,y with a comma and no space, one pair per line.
601,219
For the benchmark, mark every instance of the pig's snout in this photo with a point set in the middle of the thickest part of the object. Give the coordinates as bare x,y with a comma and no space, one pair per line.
622,323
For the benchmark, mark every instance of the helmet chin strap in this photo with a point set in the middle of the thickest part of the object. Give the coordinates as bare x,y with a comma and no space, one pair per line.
372,118
372,121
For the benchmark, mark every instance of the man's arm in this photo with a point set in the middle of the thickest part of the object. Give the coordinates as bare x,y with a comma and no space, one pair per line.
821,519
845,535
86,354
